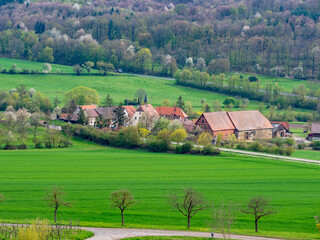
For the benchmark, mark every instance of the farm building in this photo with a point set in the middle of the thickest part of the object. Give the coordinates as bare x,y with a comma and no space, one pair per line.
129,110
107,114
251,125
315,131
145,114
280,129
217,123
171,112
91,116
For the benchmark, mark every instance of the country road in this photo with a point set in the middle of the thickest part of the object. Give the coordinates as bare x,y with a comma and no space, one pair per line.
120,233
272,156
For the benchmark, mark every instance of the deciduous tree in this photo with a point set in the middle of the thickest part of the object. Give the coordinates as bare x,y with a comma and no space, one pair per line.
54,199
259,207
189,204
122,199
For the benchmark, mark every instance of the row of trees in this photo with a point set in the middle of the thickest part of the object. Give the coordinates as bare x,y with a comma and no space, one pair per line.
188,204
250,88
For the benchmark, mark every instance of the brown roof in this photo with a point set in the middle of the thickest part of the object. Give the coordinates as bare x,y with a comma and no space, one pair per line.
85,107
171,111
249,120
218,121
91,113
148,110
64,117
284,124
130,109
107,112
315,128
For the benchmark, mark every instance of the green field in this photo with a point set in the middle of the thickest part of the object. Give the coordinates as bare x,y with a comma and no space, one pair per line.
7,63
120,87
89,174
167,238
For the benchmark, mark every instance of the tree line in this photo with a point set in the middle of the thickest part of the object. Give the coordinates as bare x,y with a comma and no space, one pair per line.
272,37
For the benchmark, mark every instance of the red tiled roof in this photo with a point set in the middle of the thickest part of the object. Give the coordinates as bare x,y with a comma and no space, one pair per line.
218,121
130,109
249,120
148,109
85,107
284,124
171,111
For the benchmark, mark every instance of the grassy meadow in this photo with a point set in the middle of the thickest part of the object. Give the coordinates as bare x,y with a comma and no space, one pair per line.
89,174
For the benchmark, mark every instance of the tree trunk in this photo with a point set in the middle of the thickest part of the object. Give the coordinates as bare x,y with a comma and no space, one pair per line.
122,217
256,224
55,214
189,221
35,133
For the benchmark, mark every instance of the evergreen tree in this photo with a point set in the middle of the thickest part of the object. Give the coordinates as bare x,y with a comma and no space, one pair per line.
120,115
180,103
111,11
108,101
56,102
82,117
110,33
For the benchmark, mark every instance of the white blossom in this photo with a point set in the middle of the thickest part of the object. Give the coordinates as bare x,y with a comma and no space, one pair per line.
257,15
87,38
171,6
32,92
130,50
166,60
47,67
189,61
76,6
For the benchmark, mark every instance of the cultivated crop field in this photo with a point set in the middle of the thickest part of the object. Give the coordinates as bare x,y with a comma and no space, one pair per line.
91,173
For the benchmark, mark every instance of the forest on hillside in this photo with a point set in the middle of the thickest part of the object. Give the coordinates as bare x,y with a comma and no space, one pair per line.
271,37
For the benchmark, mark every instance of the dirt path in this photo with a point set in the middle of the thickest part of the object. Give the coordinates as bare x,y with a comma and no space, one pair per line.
120,233
271,156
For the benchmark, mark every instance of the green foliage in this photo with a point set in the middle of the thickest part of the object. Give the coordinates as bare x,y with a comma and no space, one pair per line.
129,137
316,145
210,150
184,148
178,135
82,96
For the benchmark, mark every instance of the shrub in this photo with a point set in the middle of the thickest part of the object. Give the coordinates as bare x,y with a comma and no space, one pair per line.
185,148
38,144
195,151
278,141
158,146
256,146
9,146
290,141
129,137
34,71
272,149
242,146
301,146
64,143
48,143
280,151
316,145
210,150
25,71
253,78
22,146
4,71
289,151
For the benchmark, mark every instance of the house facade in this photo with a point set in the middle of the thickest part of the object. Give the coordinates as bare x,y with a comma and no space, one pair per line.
145,114
216,123
129,112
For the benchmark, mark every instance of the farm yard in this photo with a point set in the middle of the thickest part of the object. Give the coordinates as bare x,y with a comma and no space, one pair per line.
90,174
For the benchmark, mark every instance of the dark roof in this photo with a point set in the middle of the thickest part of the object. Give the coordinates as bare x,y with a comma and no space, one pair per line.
106,112
284,124
315,128
171,111
218,121
249,120
65,117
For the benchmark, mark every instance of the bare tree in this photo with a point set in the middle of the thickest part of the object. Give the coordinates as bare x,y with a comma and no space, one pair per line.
191,203
122,199
55,200
259,207
223,217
